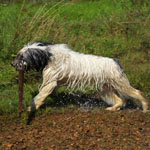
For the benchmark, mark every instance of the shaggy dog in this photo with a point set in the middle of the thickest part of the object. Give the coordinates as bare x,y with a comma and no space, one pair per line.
62,66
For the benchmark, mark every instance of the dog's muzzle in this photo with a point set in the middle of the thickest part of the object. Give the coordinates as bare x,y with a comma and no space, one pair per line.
19,65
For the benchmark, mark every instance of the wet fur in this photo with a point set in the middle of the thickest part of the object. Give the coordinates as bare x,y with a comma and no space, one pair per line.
62,66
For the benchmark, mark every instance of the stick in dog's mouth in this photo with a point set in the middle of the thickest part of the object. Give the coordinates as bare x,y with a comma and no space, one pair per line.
20,69
21,77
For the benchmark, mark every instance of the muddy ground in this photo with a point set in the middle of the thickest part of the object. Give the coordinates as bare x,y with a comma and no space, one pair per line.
75,130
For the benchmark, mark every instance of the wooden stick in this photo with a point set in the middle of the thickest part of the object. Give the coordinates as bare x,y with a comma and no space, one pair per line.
21,77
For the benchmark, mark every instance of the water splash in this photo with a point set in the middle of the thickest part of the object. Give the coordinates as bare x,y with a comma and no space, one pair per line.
84,102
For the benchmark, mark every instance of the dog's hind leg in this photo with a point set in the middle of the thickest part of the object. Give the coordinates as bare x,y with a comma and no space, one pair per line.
136,94
118,102
44,92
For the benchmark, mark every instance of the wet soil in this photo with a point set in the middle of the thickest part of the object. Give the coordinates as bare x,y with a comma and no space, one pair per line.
75,130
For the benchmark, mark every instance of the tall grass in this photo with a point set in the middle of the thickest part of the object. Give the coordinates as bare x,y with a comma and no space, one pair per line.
118,28
33,25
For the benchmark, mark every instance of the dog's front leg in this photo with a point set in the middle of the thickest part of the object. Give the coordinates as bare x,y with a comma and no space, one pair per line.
44,92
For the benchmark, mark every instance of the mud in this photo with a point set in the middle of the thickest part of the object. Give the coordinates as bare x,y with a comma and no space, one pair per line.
75,130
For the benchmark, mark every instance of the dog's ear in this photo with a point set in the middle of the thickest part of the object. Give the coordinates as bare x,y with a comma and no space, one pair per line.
36,58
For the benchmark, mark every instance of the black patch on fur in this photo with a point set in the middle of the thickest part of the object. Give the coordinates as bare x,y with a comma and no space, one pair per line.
36,58
118,63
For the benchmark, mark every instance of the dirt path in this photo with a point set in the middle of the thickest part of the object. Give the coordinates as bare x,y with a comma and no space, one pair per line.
123,130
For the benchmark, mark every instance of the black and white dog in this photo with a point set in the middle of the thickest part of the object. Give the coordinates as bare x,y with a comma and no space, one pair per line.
62,66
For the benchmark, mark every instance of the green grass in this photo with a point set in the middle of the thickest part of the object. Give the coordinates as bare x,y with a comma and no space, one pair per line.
111,28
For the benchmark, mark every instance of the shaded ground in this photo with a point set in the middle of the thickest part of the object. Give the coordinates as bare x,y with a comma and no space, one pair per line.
73,130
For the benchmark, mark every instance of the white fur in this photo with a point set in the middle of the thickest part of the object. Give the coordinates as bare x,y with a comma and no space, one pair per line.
82,70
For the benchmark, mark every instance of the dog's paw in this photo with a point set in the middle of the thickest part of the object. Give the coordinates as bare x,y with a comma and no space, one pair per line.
112,109
146,111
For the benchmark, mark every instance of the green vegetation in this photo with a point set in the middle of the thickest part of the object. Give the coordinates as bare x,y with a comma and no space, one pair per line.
112,28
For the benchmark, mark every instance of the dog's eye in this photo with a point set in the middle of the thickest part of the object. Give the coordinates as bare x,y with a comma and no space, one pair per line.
19,56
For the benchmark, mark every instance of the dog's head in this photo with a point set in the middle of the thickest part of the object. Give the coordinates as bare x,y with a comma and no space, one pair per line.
33,56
